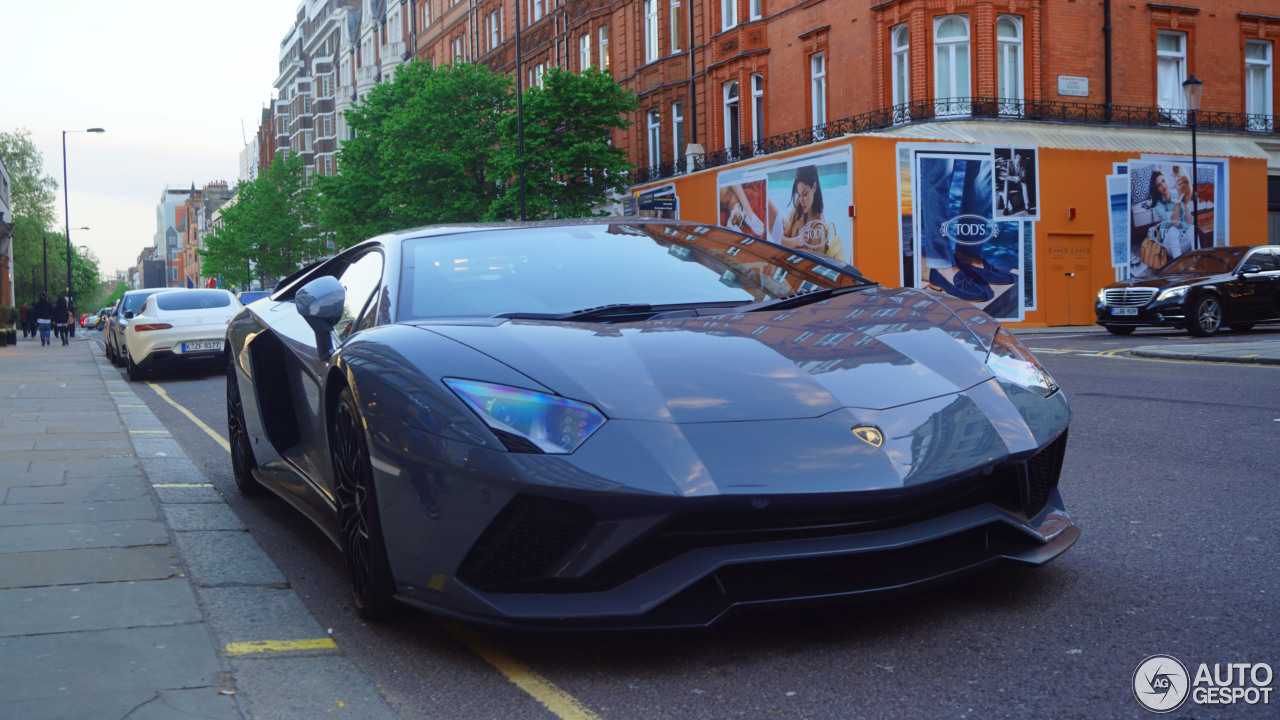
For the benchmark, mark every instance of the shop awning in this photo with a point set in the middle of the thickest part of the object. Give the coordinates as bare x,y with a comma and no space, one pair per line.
1173,141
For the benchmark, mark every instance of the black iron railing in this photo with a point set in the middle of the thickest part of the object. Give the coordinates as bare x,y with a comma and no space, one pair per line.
1076,113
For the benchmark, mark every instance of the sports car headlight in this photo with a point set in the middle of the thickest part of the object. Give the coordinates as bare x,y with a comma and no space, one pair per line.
1171,293
551,423
1009,360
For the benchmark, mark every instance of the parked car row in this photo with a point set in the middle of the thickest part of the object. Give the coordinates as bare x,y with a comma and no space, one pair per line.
163,327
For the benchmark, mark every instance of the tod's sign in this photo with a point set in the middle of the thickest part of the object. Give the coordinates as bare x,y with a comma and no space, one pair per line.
970,229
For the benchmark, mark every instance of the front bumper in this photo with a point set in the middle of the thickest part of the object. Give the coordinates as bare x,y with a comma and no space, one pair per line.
1163,314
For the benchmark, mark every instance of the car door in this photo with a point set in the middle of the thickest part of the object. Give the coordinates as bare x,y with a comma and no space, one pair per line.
1266,283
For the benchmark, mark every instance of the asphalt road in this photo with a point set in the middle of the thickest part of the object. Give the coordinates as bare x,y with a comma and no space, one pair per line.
1171,472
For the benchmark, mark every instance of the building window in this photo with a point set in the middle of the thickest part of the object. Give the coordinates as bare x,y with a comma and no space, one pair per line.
757,107
1171,70
1009,64
677,27
494,28
650,30
535,11
655,138
818,86
604,48
677,132
728,14
424,15
900,43
757,11
1257,84
584,52
731,137
951,86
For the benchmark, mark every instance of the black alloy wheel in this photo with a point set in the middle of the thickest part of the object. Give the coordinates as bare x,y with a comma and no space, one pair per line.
364,550
117,357
136,374
111,356
242,460
1120,329
1206,316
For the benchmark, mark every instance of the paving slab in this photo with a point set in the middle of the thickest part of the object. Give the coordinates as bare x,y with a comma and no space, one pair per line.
273,692
75,567
106,489
98,606
121,533
143,508
254,614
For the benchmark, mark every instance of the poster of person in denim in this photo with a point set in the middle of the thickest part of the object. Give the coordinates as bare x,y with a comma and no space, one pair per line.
967,254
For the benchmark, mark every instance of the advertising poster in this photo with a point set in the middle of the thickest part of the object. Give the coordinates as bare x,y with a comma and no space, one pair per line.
1017,183
906,231
658,202
1028,266
1219,195
964,251
1162,221
800,202
1118,207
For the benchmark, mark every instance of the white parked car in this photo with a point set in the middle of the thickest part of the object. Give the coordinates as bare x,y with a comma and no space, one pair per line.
178,327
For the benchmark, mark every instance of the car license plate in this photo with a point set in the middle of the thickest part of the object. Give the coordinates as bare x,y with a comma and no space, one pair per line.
1124,311
201,345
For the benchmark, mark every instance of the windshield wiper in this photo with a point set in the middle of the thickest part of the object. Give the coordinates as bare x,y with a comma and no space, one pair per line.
801,298
620,310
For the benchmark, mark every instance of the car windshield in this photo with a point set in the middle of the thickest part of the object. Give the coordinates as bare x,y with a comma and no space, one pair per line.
133,301
193,299
563,269
1205,262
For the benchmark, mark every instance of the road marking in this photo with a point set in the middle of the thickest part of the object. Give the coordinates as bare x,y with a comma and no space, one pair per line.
278,646
560,703
183,485
191,416
149,432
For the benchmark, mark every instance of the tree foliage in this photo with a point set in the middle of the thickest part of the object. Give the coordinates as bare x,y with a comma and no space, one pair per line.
272,223
424,152
569,166
32,243
32,193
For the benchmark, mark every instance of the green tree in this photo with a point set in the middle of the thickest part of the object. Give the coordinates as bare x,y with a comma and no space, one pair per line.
424,152
273,223
31,191
570,168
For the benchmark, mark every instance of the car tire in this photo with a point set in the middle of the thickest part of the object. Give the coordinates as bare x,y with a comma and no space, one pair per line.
242,460
364,550
1240,327
1206,316
136,374
111,356
117,358
1120,329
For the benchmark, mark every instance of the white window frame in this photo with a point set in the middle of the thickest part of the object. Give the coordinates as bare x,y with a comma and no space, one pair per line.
424,16
650,30
1259,108
535,11
900,64
677,27
728,14
818,93
604,48
757,107
677,131
458,49
953,83
655,137
584,51
1173,106
1009,64
755,9
732,124
494,21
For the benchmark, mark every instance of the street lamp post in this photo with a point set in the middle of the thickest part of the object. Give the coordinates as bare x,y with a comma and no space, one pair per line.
1191,89
66,210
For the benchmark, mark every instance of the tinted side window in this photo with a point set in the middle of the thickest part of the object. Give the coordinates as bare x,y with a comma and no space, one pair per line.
360,279
1265,259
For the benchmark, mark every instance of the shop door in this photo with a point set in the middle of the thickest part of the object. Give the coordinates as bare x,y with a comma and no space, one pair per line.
1069,290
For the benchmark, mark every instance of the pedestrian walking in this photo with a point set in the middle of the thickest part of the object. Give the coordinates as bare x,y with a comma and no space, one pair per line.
22,318
44,317
60,319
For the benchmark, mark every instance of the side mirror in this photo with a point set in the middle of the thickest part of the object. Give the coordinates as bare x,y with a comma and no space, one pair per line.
320,303
1248,269
128,314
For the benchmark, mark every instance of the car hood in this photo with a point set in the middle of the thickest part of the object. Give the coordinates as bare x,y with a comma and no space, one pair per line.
872,349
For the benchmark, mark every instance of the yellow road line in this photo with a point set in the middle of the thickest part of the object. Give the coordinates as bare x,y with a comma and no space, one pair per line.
560,703
278,646
149,432
191,416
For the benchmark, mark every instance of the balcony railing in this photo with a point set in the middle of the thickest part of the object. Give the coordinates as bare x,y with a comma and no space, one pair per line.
1075,113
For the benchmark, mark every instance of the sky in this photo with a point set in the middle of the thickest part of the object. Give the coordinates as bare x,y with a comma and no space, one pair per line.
178,85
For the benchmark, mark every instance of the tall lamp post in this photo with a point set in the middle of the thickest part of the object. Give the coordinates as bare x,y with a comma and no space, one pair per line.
66,205
1191,89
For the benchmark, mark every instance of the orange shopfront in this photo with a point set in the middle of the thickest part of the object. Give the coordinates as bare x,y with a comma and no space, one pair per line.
1026,221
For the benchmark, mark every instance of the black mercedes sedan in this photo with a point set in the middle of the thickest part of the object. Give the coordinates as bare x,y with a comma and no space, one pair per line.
638,423
1200,292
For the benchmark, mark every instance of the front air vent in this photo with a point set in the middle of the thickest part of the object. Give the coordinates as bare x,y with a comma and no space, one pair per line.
523,543
1041,476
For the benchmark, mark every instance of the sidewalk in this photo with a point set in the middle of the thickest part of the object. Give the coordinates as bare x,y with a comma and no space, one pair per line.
128,588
